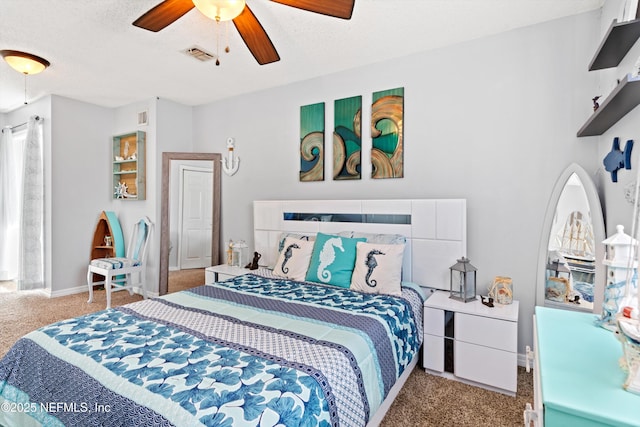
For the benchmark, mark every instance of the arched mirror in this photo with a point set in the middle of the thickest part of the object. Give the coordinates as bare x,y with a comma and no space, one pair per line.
173,161
570,271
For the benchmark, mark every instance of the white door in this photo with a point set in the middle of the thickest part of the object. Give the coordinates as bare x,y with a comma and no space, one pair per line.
196,217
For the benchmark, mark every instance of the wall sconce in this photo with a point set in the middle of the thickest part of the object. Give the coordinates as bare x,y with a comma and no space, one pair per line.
230,164
463,281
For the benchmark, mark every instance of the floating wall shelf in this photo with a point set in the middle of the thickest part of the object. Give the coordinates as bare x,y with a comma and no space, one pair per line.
624,98
620,37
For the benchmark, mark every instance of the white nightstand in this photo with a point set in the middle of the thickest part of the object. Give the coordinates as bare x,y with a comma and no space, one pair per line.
222,272
471,342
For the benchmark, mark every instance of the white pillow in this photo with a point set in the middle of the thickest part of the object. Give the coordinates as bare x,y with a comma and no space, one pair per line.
279,247
378,268
294,258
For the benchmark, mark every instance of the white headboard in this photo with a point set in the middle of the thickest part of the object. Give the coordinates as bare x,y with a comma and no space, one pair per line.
436,229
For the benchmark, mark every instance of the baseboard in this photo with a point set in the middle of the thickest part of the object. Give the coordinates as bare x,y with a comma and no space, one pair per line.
81,289
522,360
67,291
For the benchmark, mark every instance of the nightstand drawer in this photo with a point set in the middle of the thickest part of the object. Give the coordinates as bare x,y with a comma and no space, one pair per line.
209,277
433,353
434,321
486,365
495,333
223,276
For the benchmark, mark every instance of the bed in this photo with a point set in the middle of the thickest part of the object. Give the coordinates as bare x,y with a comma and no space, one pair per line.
255,350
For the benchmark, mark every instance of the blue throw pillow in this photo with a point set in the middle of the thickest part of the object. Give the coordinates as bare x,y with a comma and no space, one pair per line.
332,260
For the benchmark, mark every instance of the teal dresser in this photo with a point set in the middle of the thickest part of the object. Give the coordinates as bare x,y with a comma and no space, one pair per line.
577,380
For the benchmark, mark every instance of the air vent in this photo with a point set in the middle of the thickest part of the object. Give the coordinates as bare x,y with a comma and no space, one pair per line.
199,53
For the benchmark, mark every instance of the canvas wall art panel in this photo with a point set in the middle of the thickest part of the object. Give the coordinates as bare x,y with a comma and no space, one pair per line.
387,152
347,140
312,142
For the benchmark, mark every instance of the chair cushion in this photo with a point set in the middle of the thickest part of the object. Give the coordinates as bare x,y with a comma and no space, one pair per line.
114,263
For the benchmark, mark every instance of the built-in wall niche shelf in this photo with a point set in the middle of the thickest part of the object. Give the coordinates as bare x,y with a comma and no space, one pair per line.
620,37
128,160
624,98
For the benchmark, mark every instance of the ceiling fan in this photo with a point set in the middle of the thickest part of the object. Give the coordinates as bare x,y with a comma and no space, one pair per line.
250,29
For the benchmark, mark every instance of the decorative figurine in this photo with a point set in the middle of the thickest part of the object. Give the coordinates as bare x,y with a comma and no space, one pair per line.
617,159
253,265
121,191
230,253
629,336
621,288
230,164
595,103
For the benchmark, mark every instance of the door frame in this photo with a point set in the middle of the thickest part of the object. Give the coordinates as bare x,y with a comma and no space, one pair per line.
216,158
182,169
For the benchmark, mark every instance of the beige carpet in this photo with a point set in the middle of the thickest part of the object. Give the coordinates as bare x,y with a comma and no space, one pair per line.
425,400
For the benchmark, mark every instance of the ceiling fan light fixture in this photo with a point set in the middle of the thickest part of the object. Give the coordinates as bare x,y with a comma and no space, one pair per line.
220,10
23,62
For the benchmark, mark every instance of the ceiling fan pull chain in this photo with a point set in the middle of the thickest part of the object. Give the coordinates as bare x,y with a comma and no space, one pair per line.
226,36
25,88
217,40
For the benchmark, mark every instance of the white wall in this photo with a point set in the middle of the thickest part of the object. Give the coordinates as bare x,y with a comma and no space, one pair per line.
493,121
80,153
130,211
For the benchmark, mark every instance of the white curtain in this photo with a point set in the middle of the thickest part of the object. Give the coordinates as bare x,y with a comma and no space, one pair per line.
31,262
11,154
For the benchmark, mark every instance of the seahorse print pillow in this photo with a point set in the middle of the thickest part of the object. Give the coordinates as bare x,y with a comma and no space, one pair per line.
332,260
294,258
378,269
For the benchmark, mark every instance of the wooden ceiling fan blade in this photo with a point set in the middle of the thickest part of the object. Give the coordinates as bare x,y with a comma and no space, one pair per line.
164,14
336,8
255,37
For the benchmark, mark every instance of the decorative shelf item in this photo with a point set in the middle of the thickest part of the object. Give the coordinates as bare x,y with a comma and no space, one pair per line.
624,98
128,162
620,37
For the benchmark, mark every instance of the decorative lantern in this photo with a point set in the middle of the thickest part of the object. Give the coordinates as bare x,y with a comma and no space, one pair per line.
240,253
463,281
621,287
619,248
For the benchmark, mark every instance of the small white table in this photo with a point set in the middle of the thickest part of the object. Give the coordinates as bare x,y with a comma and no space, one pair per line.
222,272
471,342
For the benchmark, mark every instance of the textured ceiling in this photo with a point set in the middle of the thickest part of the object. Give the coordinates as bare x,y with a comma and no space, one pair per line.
97,56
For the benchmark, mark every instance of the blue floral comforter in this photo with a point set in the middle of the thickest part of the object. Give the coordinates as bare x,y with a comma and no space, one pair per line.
249,351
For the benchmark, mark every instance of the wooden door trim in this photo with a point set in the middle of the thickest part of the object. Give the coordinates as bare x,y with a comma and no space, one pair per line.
164,211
